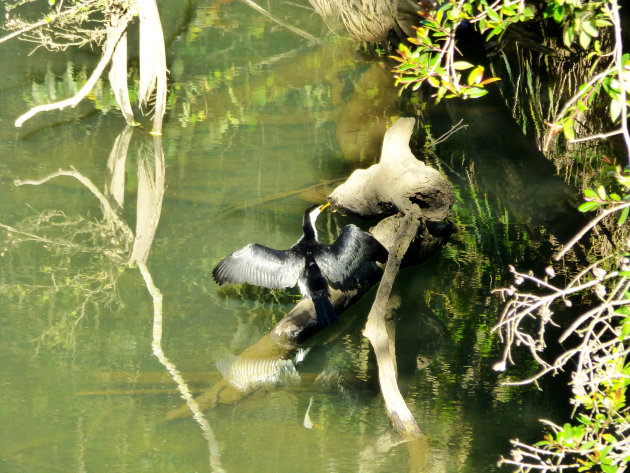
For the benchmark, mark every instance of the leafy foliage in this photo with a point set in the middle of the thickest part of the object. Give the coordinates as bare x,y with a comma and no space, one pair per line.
434,60
599,437
586,26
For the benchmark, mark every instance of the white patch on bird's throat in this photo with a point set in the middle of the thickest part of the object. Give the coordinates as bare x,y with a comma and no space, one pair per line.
313,218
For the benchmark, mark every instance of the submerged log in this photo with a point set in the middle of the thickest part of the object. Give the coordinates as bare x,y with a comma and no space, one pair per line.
420,199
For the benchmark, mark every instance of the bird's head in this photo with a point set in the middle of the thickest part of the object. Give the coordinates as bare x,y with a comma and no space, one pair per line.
314,211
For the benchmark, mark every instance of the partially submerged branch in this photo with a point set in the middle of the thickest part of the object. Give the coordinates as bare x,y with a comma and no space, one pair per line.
116,17
376,332
422,195
87,87
397,183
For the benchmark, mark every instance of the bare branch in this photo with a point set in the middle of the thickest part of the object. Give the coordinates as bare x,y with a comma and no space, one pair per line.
291,28
80,95
589,226
376,332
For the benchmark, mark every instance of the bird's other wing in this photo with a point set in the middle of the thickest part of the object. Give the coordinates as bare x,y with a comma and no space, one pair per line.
340,262
261,266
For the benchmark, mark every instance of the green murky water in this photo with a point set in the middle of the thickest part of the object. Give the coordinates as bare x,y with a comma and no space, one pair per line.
260,124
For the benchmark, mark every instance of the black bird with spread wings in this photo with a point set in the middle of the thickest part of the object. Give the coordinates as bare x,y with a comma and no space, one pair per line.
312,265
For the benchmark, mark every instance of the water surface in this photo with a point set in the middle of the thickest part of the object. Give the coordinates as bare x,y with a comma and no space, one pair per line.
261,123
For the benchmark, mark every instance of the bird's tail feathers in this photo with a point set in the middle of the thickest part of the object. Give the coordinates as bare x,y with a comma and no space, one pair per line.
326,313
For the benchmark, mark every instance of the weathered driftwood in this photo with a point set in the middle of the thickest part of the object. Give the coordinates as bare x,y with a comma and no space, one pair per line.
397,183
421,197
383,342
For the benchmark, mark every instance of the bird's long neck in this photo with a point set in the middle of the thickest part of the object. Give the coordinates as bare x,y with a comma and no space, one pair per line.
308,225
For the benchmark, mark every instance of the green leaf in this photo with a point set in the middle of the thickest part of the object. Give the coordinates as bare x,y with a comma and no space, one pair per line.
604,453
462,65
558,13
585,39
590,194
528,13
588,206
582,107
590,29
609,438
567,36
601,192
493,15
602,23
622,219
440,94
489,80
549,10
567,129
476,92
508,10
613,84
499,30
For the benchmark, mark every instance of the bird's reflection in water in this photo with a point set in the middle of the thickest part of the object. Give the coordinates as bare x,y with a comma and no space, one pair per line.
249,374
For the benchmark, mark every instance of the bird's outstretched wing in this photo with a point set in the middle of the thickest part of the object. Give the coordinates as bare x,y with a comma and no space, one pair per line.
261,266
342,261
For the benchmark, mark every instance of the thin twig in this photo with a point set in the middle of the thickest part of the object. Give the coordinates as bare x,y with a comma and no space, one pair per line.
587,227
291,28
598,136
45,22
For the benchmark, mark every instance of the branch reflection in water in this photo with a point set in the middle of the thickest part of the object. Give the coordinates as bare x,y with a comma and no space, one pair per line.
151,184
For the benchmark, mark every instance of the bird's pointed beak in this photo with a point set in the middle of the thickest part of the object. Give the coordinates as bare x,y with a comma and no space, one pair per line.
327,204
